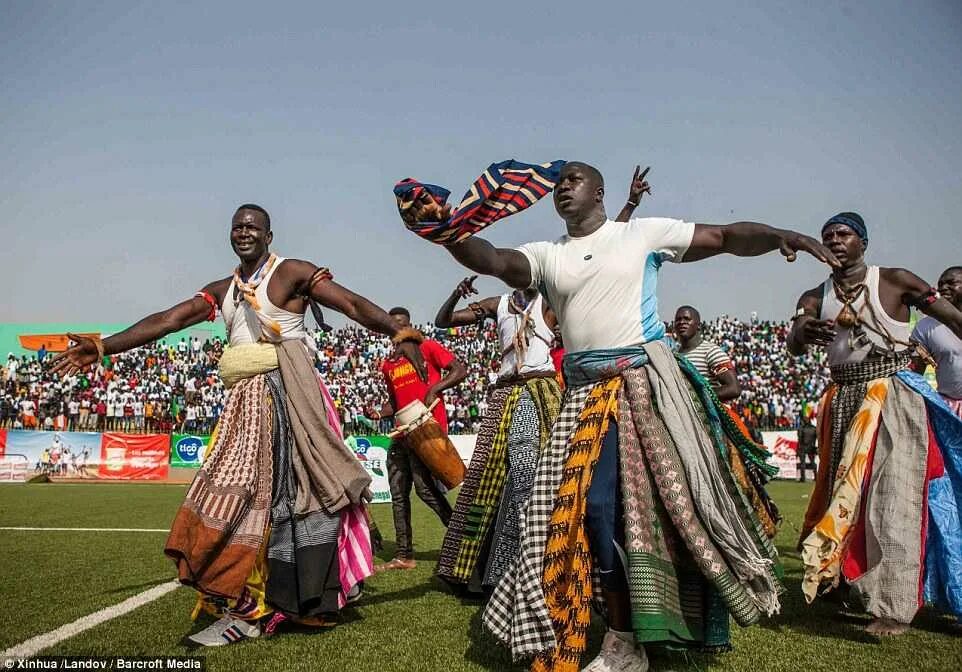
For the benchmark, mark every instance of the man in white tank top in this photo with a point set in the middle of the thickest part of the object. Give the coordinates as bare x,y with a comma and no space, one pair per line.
264,303
483,535
877,464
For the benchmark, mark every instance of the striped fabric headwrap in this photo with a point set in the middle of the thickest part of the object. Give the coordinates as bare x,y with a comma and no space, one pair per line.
504,189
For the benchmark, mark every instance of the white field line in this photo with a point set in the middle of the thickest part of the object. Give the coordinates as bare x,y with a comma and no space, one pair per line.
85,529
36,644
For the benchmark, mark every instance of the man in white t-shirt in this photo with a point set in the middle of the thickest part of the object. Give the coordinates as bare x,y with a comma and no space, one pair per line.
944,346
600,278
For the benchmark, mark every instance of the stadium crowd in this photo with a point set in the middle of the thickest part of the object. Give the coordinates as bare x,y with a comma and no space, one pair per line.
175,387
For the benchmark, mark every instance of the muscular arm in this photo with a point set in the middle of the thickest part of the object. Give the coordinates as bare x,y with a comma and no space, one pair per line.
911,286
185,314
751,239
448,317
509,266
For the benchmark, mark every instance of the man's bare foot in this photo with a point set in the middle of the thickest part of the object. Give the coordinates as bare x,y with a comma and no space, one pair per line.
882,627
396,563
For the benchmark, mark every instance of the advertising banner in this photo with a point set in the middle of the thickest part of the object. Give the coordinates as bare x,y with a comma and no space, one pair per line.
13,468
56,454
187,450
134,456
372,452
784,447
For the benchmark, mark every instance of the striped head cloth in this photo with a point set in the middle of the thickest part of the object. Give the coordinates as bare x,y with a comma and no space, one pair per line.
504,189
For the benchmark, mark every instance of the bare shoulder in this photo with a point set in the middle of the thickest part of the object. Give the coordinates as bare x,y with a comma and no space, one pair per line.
901,278
811,298
295,268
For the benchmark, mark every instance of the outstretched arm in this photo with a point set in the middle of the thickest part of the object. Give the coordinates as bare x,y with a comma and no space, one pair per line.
185,314
913,291
330,294
480,256
751,239
448,317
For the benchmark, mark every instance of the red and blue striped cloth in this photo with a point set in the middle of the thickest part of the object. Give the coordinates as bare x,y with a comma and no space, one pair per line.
503,189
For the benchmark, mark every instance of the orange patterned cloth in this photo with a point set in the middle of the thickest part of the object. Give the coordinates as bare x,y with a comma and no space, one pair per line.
824,547
567,566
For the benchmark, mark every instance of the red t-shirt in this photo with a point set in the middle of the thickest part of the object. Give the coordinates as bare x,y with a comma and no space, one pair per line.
404,384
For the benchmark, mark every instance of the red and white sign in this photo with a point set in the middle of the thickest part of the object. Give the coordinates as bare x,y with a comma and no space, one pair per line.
141,457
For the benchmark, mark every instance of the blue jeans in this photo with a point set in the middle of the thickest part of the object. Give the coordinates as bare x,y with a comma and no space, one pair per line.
604,516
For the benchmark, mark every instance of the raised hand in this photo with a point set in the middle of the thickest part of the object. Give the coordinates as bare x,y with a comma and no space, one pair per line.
77,357
426,209
792,243
466,287
639,186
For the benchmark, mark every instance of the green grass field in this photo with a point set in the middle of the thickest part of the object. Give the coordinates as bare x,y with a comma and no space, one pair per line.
406,620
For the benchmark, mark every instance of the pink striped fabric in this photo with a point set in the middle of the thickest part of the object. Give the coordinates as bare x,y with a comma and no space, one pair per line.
354,556
355,560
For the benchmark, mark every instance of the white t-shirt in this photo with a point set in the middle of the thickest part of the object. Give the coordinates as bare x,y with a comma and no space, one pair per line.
603,286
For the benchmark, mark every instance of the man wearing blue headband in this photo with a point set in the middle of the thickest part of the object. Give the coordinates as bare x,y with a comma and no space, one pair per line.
882,517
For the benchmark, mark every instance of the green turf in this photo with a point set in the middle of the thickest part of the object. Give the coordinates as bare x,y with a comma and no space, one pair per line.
406,621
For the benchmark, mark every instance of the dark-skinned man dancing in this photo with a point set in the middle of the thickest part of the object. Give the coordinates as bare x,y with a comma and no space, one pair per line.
273,524
482,539
632,482
879,513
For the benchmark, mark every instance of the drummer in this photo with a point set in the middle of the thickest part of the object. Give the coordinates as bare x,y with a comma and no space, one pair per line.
404,468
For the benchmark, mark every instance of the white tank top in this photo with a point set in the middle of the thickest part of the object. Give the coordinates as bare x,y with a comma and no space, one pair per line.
537,356
242,323
841,351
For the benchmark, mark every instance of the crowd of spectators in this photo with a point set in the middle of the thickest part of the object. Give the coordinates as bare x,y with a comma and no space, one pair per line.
778,390
174,387
156,388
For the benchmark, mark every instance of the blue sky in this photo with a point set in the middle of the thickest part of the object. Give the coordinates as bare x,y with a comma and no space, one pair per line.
130,131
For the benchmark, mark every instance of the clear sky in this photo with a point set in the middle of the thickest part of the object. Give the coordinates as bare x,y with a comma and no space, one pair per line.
129,132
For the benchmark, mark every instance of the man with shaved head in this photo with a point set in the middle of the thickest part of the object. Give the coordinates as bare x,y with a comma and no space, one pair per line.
674,554
273,527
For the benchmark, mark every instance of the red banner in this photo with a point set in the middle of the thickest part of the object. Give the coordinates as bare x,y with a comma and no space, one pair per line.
3,442
141,457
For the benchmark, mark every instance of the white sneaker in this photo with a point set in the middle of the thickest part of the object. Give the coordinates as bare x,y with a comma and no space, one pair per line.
227,630
617,655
